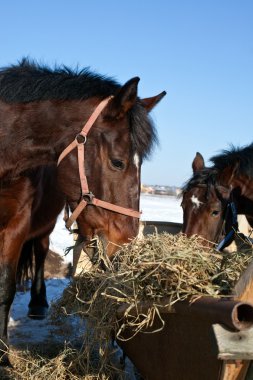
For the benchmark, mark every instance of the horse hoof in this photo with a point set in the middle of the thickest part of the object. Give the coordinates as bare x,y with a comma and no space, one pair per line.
37,312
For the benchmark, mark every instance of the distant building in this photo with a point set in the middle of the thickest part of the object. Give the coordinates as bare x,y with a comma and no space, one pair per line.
147,189
160,190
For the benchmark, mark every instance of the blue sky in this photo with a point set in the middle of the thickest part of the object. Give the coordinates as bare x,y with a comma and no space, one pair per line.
200,52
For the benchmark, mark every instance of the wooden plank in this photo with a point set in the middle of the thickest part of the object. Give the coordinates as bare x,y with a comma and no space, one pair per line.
233,345
234,370
150,227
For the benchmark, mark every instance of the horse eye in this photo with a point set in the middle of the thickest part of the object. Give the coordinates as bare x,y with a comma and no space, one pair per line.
118,164
215,213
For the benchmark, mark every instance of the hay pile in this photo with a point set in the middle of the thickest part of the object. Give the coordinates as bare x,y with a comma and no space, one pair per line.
148,271
68,364
151,269
157,271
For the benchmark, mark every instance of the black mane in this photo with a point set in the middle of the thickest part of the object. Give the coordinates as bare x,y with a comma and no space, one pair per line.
28,81
239,158
242,158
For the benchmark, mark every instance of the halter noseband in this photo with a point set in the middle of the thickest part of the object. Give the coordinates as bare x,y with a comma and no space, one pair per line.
87,197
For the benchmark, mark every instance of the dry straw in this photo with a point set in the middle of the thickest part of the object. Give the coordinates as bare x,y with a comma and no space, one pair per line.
149,270
69,364
144,272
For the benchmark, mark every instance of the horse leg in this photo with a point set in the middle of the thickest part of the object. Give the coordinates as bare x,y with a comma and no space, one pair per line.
15,219
38,305
7,293
11,241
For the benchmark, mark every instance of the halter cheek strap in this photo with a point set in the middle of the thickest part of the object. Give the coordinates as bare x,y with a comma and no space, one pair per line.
87,196
82,136
234,227
234,231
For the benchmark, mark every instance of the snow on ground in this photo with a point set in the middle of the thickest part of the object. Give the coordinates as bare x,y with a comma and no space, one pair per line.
161,208
24,329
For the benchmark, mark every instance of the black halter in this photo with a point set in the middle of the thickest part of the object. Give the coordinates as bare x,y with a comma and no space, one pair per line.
231,212
230,236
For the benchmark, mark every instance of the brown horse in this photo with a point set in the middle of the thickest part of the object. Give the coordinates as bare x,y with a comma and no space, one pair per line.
41,113
214,195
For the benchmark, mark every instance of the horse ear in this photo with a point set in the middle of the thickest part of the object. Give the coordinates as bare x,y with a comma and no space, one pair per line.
124,100
150,103
198,163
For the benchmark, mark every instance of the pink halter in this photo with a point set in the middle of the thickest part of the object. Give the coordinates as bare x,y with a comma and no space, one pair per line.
87,196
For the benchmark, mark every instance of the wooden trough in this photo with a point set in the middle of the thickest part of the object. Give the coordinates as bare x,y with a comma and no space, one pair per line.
210,339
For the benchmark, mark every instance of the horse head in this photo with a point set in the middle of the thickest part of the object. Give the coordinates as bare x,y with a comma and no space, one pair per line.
119,139
205,201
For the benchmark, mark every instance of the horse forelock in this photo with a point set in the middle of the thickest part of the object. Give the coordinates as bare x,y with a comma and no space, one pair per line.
204,178
28,81
143,132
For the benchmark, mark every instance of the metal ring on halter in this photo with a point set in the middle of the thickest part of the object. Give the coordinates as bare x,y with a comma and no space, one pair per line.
88,197
81,137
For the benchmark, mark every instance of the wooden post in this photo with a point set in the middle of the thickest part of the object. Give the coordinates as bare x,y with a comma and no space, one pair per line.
236,348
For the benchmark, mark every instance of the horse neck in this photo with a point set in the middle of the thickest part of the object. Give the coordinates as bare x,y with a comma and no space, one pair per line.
244,205
244,185
44,129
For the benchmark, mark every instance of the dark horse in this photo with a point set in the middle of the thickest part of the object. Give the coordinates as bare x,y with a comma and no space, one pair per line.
214,195
42,111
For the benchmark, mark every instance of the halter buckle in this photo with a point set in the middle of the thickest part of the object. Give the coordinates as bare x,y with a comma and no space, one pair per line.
88,197
81,139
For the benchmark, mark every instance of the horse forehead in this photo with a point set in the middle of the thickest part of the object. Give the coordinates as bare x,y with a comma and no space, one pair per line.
116,136
195,201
